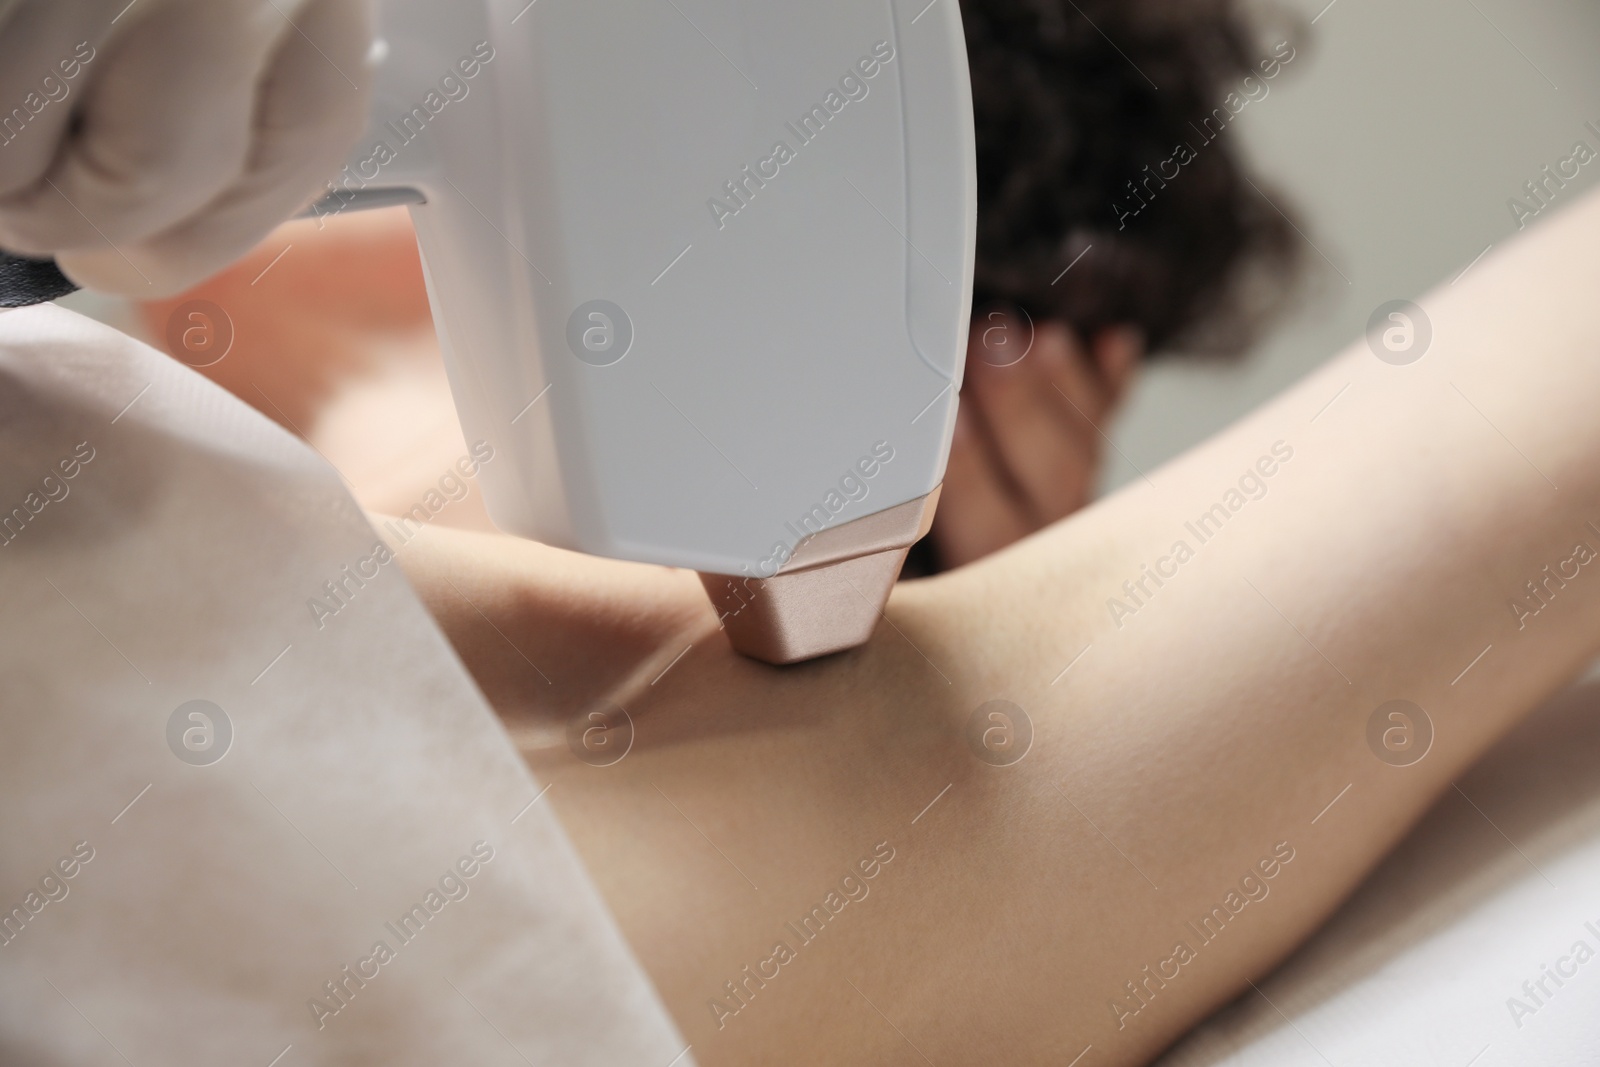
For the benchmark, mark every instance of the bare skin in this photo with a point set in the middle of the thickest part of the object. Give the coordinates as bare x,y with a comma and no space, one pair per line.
1213,728
1189,746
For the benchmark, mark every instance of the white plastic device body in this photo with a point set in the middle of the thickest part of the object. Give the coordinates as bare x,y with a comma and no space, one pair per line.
699,268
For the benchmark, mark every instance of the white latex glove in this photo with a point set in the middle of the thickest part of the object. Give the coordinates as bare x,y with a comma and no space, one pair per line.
147,145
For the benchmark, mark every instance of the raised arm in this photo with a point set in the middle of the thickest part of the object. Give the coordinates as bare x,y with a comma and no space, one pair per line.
1205,663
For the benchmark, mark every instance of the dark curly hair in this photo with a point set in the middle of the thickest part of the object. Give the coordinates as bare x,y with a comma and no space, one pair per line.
1073,101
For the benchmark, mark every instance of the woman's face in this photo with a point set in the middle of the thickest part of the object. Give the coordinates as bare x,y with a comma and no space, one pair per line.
1029,431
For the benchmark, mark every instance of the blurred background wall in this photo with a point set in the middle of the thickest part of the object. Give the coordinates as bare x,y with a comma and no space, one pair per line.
1396,138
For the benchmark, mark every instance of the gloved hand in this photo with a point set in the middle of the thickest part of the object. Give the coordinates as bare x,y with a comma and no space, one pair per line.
147,145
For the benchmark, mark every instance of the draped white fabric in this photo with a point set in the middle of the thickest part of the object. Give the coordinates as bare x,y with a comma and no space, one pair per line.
363,876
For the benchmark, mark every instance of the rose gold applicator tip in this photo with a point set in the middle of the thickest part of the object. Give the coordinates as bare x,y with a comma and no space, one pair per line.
830,594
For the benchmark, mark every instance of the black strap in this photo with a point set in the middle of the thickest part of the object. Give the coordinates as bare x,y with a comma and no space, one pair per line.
30,281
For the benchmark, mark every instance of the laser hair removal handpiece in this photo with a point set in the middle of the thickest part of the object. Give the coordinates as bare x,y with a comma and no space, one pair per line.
701,270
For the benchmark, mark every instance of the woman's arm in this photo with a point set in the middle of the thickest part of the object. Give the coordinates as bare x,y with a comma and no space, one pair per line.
1200,789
